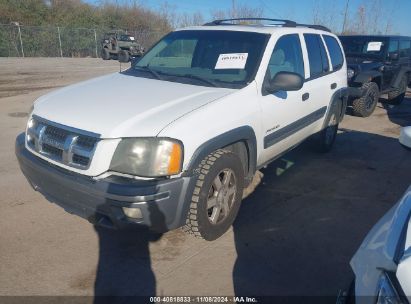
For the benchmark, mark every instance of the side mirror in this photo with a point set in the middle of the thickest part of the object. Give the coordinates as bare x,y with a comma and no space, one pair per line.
284,81
393,56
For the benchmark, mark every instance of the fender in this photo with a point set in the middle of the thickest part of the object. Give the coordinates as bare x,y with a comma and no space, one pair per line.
245,134
397,80
338,106
366,76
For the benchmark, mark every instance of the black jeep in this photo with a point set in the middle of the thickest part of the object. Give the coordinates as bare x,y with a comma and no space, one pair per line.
377,65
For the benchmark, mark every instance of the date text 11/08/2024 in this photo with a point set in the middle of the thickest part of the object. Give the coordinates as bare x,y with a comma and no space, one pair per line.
202,299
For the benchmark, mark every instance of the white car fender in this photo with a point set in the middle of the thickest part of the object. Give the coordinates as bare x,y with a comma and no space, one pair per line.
236,110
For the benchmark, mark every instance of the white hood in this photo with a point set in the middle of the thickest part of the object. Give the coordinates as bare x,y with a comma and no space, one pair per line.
379,249
119,105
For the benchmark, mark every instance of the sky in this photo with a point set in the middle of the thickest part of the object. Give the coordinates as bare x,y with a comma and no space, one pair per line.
297,10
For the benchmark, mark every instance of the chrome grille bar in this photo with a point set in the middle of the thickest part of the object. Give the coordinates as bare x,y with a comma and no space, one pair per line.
60,143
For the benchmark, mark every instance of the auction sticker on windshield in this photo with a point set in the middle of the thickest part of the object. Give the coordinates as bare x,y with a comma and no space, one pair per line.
231,61
374,46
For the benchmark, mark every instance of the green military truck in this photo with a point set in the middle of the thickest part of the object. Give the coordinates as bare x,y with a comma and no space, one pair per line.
120,46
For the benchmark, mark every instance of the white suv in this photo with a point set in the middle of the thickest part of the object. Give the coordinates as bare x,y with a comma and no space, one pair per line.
175,139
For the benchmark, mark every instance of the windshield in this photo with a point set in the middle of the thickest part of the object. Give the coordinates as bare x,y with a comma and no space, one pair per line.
202,57
364,46
126,38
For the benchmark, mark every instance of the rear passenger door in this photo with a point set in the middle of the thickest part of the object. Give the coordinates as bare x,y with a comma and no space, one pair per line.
322,81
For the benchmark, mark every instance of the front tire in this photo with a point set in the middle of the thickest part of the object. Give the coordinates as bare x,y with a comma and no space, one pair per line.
123,56
217,195
105,54
365,106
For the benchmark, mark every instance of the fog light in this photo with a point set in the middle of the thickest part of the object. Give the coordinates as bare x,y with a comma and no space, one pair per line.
133,212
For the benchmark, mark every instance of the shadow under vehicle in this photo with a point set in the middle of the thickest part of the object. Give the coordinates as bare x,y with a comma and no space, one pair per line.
378,66
120,46
297,232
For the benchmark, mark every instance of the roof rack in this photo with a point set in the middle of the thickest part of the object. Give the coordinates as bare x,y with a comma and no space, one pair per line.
315,26
287,23
281,22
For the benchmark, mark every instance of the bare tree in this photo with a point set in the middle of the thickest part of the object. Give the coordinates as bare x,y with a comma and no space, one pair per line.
367,19
326,13
218,14
186,19
238,11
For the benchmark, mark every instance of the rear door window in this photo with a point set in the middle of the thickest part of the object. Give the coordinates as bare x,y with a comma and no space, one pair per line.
334,49
317,55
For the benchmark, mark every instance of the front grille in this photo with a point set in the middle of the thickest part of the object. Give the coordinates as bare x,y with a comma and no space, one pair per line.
60,143
52,151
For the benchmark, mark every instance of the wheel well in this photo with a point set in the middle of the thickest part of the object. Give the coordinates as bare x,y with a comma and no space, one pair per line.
377,80
241,149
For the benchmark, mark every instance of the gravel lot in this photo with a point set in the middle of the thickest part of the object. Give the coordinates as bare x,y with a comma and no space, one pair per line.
295,234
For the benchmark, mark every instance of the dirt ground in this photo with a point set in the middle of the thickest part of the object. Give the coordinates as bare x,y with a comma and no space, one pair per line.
295,233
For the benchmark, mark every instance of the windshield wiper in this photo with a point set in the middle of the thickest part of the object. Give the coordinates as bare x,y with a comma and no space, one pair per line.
146,68
205,80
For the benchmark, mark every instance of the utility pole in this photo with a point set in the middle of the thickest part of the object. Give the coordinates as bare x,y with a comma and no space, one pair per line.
233,9
61,50
345,16
21,41
95,41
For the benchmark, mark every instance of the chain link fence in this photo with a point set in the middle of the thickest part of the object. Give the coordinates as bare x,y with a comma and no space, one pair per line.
48,41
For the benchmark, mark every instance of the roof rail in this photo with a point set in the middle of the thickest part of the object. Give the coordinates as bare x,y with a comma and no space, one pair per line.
282,22
287,23
315,26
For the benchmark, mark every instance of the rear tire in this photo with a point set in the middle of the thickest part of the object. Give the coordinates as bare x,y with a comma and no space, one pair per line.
123,56
325,139
217,195
105,54
397,96
365,105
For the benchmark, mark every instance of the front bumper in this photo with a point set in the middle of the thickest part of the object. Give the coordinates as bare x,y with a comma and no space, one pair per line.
163,203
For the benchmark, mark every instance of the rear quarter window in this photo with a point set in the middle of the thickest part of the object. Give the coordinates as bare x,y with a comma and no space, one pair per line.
334,49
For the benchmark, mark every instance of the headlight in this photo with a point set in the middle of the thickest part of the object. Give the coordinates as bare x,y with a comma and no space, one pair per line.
350,73
386,291
148,157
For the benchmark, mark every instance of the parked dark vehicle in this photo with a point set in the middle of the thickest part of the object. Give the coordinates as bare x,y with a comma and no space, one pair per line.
120,46
378,66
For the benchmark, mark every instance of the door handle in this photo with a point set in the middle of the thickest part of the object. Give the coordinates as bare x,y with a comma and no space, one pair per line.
305,96
333,86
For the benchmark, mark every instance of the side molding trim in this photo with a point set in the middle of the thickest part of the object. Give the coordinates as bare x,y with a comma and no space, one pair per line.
294,127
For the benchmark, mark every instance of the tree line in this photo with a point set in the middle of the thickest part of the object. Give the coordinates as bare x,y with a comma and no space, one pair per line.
366,17
79,14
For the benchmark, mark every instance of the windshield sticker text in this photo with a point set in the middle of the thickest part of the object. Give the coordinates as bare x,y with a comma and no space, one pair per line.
374,46
231,61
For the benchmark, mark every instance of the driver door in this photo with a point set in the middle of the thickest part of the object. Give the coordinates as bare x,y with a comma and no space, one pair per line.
283,111
392,64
